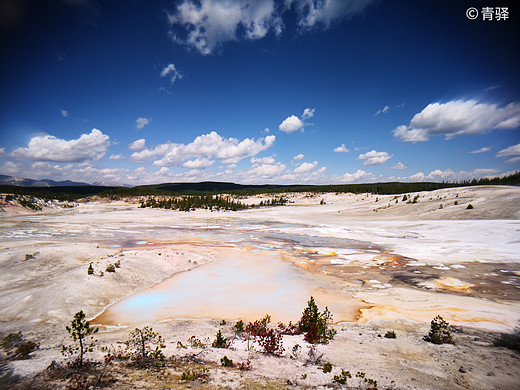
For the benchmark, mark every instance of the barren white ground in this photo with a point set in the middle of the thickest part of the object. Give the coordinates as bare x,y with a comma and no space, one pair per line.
377,262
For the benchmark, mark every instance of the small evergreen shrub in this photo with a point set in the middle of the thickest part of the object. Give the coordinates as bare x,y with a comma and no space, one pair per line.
80,332
90,270
390,334
343,377
140,346
470,207
316,324
327,367
110,268
220,341
226,362
239,327
439,332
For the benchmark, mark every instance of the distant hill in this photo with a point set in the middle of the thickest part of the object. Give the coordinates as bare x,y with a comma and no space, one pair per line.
23,182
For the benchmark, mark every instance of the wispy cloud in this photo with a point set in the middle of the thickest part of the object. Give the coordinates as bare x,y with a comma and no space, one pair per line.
481,150
171,72
399,166
458,117
383,110
512,151
64,113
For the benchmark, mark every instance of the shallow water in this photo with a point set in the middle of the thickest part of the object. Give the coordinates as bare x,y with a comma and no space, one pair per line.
245,286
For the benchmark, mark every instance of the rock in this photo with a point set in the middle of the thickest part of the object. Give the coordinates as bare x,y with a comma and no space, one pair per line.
462,370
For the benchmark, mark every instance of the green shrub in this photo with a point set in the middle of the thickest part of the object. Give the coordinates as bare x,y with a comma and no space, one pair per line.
110,268
226,362
470,206
327,367
316,324
80,332
220,341
343,377
390,334
90,270
239,327
439,332
140,343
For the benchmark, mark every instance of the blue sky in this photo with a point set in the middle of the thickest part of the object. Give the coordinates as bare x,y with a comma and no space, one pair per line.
295,91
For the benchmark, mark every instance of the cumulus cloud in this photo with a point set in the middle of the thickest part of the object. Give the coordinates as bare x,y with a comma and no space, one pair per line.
458,117
481,150
198,163
91,146
298,157
383,110
341,149
512,151
262,160
306,167
210,146
308,113
205,25
374,158
266,170
291,124
142,122
137,145
116,157
171,72
399,166
359,175
438,175
64,113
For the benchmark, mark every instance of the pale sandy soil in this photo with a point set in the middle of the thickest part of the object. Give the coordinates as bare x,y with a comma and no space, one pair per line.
377,264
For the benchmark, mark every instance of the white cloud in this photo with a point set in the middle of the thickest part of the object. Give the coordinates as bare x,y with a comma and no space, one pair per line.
198,163
262,160
210,146
306,167
171,72
341,149
10,168
91,146
512,151
137,145
399,166
374,158
298,157
206,24
308,113
2,152
481,150
325,13
458,117
209,23
357,176
383,110
64,113
116,157
267,170
291,124
142,122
